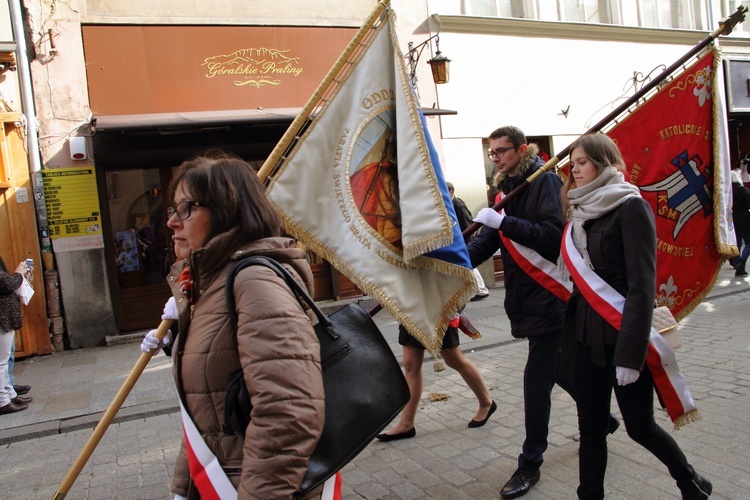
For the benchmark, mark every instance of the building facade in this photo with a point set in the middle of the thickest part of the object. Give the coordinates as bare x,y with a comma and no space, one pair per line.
125,91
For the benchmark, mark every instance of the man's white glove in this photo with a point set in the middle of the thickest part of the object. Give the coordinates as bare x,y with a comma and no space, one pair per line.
489,218
626,376
170,310
179,497
150,343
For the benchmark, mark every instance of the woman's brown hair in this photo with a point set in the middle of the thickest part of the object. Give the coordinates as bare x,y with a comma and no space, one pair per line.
602,151
230,189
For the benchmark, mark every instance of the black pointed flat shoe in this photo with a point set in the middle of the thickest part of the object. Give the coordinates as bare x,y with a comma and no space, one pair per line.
395,437
480,423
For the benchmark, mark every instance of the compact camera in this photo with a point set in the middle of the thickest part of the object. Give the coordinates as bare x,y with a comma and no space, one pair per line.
29,264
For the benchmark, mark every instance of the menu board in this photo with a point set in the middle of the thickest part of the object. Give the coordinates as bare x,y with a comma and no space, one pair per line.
72,202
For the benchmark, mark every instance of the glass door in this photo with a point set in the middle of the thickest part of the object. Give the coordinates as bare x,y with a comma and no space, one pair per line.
141,243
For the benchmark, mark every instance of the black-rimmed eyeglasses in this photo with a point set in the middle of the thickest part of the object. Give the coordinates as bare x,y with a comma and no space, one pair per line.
183,209
498,153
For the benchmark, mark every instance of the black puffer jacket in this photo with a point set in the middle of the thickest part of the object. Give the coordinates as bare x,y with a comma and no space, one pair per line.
533,219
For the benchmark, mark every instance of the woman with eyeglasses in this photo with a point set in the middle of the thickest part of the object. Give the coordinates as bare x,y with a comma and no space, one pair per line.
220,214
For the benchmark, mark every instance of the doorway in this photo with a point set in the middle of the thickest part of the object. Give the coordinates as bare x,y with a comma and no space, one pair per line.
139,241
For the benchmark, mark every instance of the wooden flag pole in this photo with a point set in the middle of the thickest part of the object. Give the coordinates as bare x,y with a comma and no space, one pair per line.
304,115
108,416
725,27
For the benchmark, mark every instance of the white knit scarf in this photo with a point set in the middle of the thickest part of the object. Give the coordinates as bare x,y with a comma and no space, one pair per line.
595,199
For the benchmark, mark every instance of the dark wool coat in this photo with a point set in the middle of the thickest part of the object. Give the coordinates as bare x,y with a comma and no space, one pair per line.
10,307
622,248
533,219
277,348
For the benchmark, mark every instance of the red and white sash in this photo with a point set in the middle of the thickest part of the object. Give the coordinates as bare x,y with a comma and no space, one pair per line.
211,480
538,268
669,383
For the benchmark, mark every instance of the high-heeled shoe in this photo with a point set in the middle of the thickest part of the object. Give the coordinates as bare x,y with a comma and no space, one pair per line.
395,437
480,423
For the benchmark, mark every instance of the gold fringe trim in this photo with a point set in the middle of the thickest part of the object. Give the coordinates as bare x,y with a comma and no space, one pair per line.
687,418
438,366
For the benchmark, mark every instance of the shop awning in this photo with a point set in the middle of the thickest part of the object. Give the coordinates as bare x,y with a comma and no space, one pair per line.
206,119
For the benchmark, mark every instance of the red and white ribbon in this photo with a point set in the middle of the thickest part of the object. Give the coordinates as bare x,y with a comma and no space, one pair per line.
332,488
538,268
609,304
211,480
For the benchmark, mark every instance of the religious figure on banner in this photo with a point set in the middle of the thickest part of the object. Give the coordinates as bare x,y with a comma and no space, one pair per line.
374,178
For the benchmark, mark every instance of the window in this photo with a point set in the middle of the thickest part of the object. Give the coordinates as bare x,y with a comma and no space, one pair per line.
676,14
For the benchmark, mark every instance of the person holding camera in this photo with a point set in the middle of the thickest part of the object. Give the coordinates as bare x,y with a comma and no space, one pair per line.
10,321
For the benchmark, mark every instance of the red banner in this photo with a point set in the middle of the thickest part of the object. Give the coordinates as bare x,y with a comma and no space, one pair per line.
668,147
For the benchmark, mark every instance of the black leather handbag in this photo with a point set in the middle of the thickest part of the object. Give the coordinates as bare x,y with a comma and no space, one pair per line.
364,386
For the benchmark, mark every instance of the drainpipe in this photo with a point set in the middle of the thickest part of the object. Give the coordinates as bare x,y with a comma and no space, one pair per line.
35,167
32,132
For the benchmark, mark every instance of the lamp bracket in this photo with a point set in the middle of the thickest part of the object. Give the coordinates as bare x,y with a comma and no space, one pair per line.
415,51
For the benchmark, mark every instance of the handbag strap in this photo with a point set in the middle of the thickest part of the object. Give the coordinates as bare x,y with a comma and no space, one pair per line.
302,296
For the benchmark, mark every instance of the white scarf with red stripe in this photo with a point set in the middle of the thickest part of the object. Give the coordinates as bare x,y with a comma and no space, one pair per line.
211,480
669,383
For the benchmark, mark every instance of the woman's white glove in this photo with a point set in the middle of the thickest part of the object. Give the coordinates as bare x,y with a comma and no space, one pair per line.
170,310
489,218
626,376
150,342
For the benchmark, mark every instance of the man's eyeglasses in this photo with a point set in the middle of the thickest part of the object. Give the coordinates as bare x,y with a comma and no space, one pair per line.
498,153
183,208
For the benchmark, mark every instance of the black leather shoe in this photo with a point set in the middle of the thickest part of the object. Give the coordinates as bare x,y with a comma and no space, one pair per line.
479,296
480,423
12,408
395,437
21,389
520,483
18,400
699,488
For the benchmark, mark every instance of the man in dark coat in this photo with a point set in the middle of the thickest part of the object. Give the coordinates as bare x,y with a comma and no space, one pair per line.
534,219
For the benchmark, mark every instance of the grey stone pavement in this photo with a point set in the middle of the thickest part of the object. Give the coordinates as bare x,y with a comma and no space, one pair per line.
446,460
